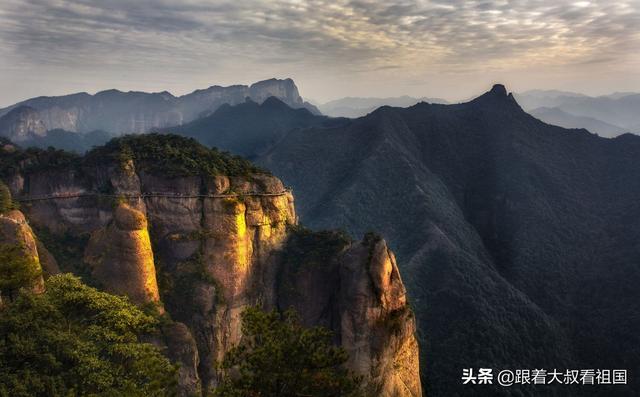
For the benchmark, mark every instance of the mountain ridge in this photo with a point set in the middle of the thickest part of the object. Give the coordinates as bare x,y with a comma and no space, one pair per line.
118,112
354,107
619,109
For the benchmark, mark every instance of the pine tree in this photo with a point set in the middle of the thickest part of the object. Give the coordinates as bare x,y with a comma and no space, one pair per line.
279,357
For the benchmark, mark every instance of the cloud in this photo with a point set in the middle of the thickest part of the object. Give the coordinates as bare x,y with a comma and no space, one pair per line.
323,37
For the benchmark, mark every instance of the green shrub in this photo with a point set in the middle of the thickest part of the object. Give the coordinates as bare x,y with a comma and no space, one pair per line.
17,270
170,155
6,203
74,340
310,248
279,357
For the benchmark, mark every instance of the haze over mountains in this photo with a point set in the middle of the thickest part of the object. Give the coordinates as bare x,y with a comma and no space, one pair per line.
357,106
607,115
79,121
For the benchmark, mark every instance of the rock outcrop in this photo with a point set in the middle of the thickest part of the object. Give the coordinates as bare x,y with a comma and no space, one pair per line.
121,258
355,289
217,244
377,325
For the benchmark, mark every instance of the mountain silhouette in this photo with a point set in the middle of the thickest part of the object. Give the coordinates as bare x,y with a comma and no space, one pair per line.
250,128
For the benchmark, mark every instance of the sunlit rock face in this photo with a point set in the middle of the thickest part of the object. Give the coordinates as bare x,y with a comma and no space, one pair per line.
204,247
377,326
121,258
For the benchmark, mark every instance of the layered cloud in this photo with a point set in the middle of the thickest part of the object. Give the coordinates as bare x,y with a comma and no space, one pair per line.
187,42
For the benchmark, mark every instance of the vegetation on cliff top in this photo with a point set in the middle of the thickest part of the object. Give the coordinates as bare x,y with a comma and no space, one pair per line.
74,340
170,155
164,154
14,159
306,247
279,357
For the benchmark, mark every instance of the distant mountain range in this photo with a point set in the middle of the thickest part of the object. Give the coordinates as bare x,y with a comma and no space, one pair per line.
116,112
80,121
557,116
607,115
356,106
251,129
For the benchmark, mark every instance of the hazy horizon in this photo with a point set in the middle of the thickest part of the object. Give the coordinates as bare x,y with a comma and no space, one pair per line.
452,50
315,101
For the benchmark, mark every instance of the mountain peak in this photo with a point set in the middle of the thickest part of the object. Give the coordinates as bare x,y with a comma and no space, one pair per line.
283,89
497,95
499,89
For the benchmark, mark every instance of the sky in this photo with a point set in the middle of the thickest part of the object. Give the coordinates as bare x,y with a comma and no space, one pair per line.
450,49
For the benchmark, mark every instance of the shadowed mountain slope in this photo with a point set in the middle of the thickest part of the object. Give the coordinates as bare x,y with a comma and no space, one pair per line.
356,107
519,238
250,128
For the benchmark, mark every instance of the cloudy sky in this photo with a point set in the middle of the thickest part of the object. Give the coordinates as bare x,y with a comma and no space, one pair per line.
447,48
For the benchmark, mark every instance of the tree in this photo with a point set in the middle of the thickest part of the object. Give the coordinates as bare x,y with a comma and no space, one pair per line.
74,340
6,202
279,357
17,270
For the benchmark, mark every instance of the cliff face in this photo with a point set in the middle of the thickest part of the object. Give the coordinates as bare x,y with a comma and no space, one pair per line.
120,112
206,247
366,307
22,123
120,256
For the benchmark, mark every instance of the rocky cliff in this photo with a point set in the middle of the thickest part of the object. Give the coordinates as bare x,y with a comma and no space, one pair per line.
118,112
22,123
204,235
